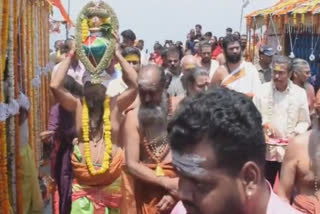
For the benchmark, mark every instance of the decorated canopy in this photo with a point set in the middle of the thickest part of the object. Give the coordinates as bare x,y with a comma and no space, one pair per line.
290,7
300,11
292,27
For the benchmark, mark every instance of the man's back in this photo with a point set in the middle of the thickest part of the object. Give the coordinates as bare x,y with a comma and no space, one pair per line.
299,172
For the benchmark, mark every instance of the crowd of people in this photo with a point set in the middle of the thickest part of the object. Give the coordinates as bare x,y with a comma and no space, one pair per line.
198,127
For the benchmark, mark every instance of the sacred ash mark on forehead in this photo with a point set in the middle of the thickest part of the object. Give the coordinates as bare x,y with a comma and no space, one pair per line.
189,163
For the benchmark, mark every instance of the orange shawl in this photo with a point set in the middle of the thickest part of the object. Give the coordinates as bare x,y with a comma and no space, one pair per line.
82,175
149,195
306,204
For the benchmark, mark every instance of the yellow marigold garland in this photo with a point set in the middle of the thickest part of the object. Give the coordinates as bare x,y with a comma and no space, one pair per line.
85,29
107,138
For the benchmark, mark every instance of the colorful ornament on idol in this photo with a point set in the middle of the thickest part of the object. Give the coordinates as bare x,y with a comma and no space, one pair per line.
95,42
107,138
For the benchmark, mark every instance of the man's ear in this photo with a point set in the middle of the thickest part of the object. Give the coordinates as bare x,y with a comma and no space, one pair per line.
250,176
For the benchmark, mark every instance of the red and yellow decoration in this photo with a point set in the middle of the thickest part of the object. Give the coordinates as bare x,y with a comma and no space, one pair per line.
107,138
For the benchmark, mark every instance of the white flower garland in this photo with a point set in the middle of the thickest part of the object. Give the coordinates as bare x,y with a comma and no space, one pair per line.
12,109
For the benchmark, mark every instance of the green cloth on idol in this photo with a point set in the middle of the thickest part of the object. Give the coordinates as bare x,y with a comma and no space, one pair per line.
95,48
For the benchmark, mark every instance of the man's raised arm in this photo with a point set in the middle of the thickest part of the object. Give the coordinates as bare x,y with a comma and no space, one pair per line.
65,98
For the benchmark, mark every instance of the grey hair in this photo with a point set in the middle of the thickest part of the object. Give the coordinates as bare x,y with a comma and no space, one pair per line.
278,59
191,76
297,64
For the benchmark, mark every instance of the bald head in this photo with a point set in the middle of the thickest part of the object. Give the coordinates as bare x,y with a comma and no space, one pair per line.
189,62
151,75
151,85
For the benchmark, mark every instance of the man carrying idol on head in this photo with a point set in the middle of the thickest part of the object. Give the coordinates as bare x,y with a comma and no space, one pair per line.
97,158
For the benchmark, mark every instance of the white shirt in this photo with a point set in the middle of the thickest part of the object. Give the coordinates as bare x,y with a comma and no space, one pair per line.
175,87
286,111
116,85
76,73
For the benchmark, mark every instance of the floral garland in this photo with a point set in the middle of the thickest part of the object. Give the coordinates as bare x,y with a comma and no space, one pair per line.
4,193
5,29
82,32
107,138
11,133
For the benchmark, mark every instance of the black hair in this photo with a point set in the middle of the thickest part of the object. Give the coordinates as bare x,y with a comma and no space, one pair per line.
204,44
230,39
73,86
129,34
228,120
67,45
199,26
131,50
173,50
209,34
229,29
157,46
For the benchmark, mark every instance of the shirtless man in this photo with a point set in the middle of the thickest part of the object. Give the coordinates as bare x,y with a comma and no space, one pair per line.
236,74
301,170
301,73
95,95
147,151
206,60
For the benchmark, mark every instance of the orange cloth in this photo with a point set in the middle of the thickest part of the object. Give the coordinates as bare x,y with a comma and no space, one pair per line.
63,12
128,204
82,175
306,204
149,195
234,77
55,200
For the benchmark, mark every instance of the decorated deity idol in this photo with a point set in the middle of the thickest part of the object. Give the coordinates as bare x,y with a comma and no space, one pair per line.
95,42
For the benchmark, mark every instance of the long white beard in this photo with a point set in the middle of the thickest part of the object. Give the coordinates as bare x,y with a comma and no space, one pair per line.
153,120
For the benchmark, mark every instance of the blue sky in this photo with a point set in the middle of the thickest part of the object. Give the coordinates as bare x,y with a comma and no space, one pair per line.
158,20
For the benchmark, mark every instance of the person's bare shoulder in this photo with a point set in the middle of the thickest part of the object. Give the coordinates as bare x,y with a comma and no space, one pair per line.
219,75
298,146
221,59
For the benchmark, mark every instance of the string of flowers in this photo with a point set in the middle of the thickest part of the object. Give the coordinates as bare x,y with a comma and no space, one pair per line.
18,170
5,29
107,138
4,194
2,123
11,133
37,71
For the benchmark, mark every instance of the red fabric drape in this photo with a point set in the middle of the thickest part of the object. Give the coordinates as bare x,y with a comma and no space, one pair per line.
63,12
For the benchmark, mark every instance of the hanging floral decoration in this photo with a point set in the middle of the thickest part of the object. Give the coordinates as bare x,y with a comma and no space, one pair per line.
107,138
24,47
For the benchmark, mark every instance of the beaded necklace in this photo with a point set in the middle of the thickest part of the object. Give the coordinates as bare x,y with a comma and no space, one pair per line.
158,148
